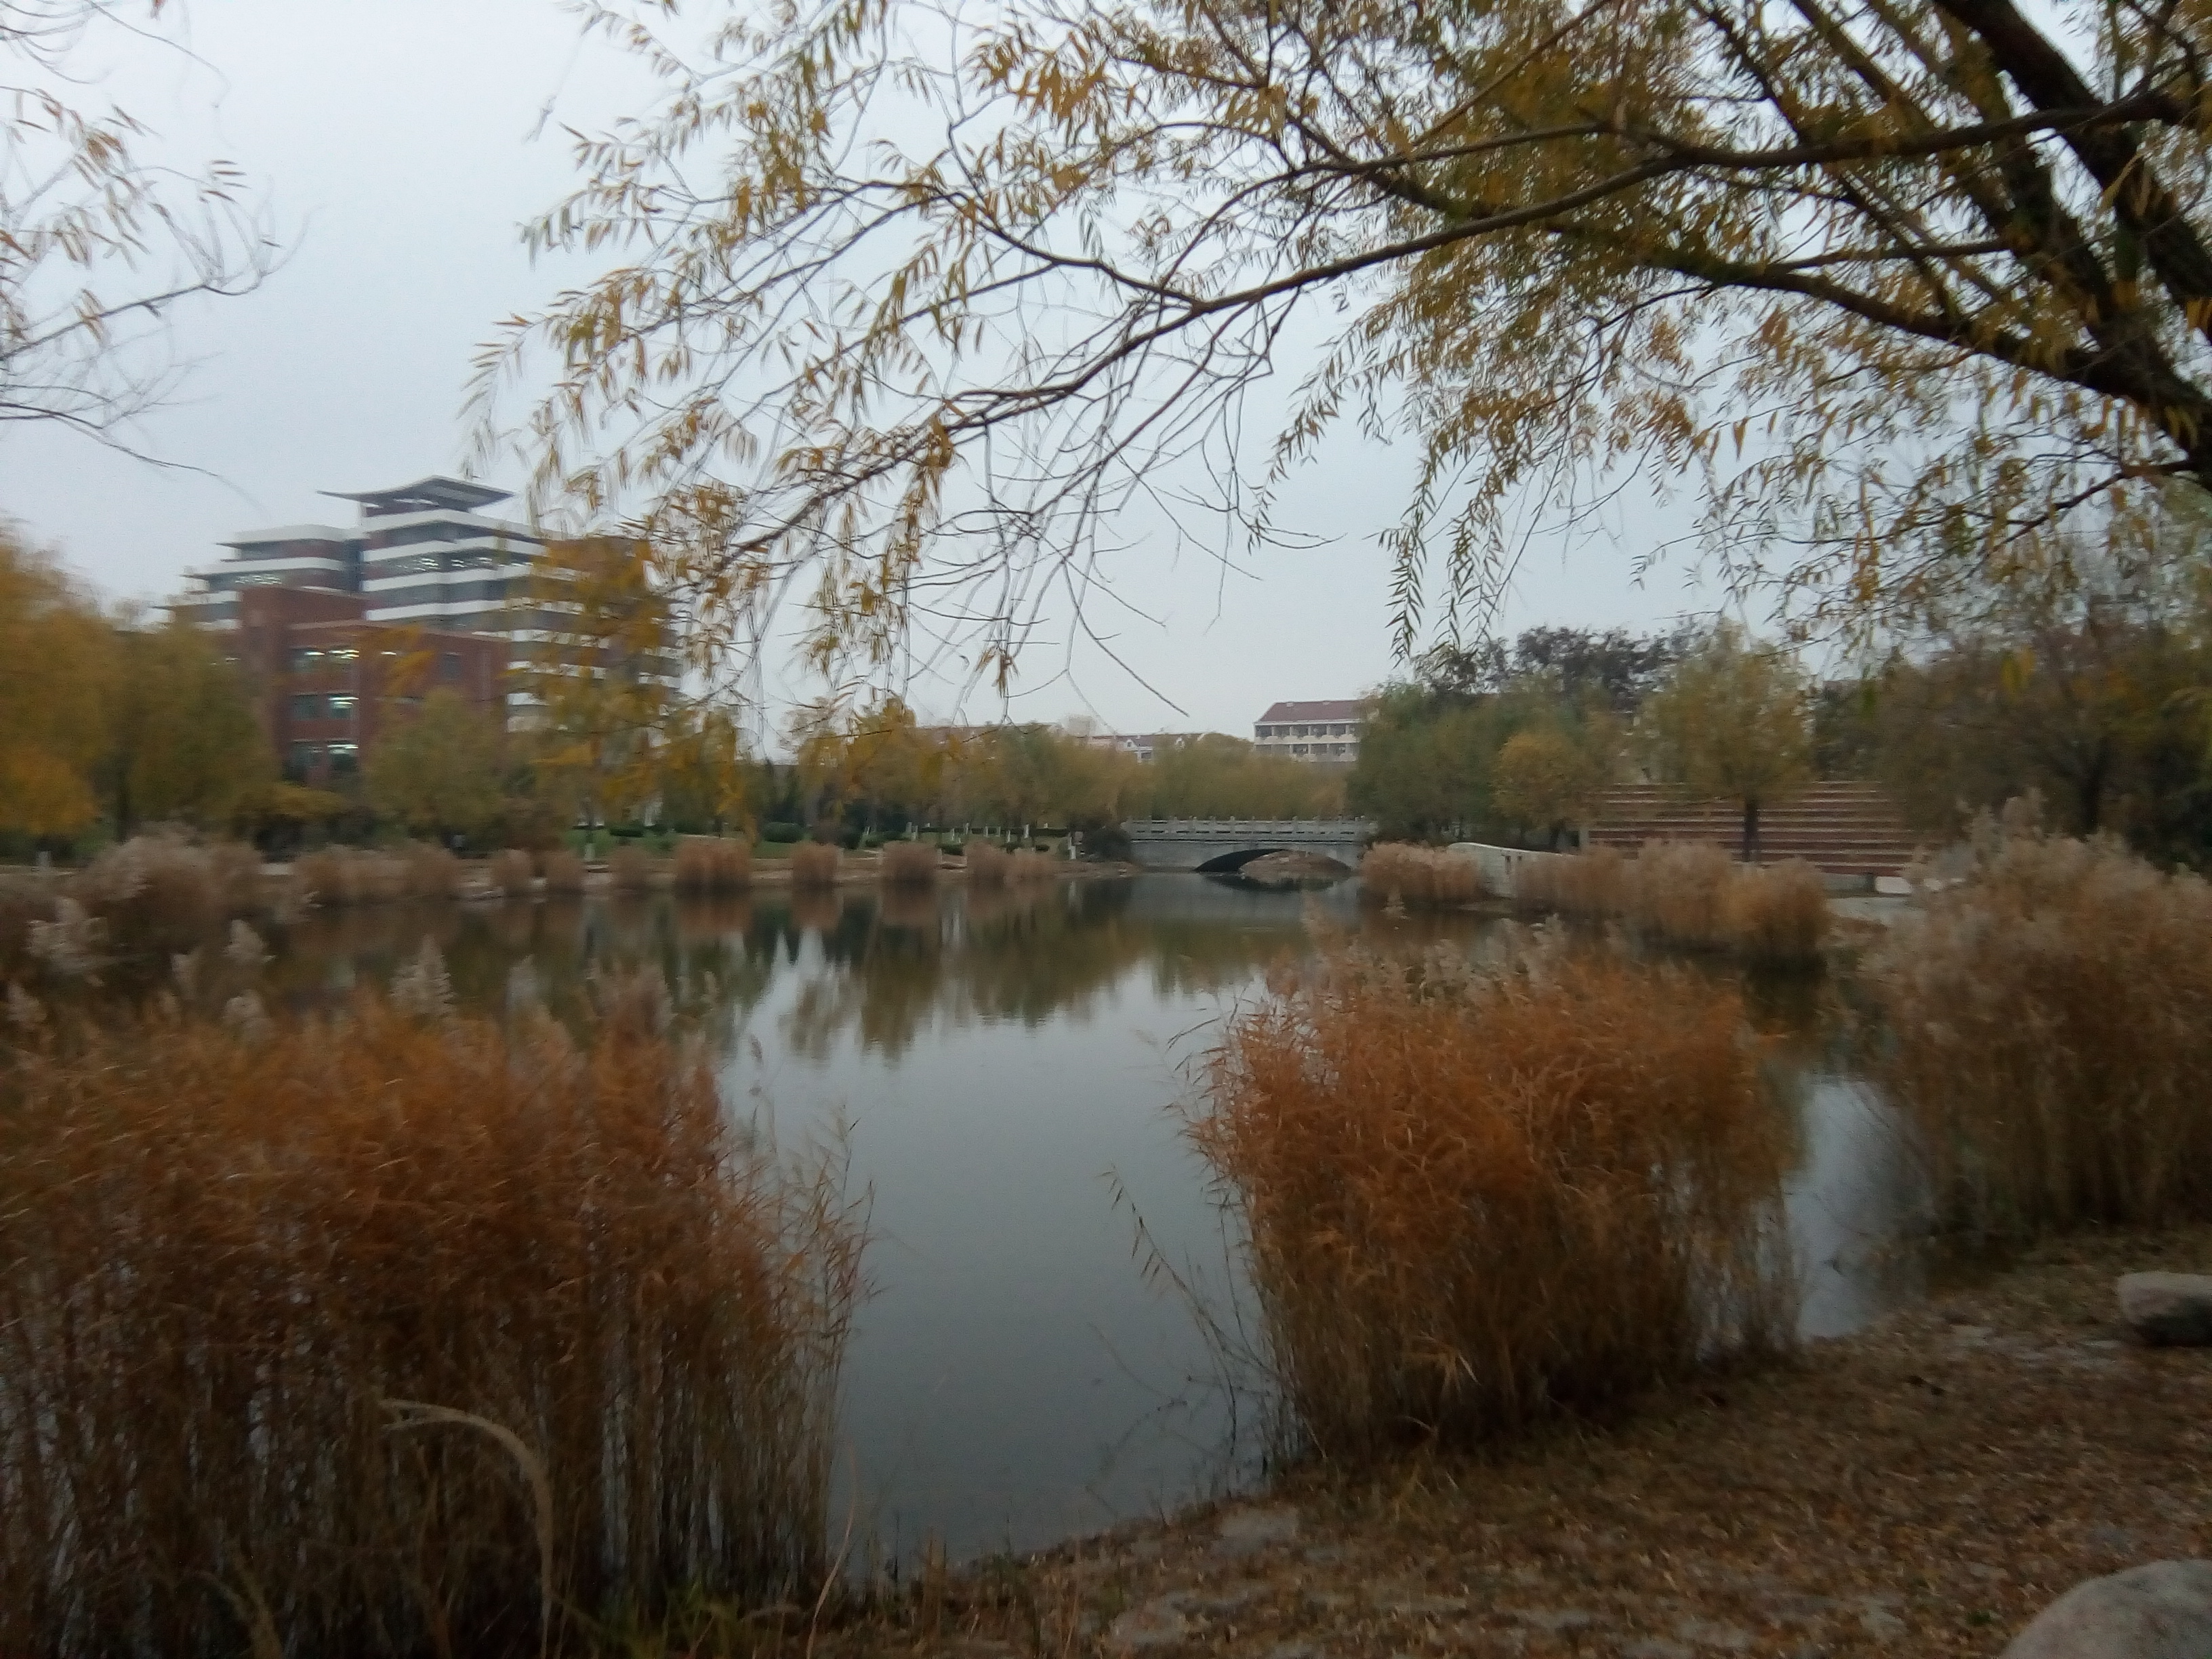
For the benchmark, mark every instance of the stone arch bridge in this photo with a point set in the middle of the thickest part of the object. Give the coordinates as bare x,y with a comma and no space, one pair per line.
1221,846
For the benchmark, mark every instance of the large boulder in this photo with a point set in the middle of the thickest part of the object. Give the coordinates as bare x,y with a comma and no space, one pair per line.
2163,1611
2168,1308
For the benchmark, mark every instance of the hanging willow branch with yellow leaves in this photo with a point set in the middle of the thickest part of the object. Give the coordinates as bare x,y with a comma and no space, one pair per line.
911,300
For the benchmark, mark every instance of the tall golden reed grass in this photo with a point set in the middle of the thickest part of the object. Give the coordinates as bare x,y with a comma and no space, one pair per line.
400,1334
2050,1038
563,870
1474,1200
1589,885
909,864
508,872
1398,872
986,865
815,864
341,876
1027,864
1688,895
153,897
712,864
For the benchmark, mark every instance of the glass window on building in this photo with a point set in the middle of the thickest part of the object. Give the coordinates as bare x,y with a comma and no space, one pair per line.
345,757
345,653
449,667
306,707
305,658
304,756
342,708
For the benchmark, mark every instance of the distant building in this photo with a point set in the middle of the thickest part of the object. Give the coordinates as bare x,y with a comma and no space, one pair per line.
422,553
1150,745
1326,731
325,680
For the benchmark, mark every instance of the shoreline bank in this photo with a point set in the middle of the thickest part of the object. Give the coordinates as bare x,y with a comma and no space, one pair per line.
1925,1486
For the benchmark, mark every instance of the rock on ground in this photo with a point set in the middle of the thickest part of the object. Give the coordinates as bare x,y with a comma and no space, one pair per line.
2168,1309
2162,1611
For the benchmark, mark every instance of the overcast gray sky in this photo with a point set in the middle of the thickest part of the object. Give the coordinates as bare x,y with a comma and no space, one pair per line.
395,145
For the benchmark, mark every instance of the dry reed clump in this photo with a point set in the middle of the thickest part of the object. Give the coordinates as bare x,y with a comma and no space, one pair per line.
909,864
400,1334
23,900
339,876
1776,913
161,892
986,864
713,865
2051,1037
508,872
814,863
432,872
563,872
1396,873
1689,895
629,868
1589,884
1471,1201
1677,894
1027,866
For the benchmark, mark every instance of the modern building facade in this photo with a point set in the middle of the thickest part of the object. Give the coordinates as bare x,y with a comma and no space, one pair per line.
326,680
424,553
1319,731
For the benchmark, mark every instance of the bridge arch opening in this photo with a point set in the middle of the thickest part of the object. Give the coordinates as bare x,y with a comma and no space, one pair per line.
1312,863
1228,864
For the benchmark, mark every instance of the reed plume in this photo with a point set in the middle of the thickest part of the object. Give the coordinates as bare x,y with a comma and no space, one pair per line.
400,1333
1475,1201
2050,1035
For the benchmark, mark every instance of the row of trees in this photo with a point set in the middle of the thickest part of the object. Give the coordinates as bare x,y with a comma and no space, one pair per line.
882,767
2089,686
103,715
1517,743
118,718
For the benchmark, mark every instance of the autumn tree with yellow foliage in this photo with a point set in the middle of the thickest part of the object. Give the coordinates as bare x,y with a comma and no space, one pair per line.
906,302
56,680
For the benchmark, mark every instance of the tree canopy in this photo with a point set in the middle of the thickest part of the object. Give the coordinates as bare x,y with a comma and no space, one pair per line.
1732,720
908,301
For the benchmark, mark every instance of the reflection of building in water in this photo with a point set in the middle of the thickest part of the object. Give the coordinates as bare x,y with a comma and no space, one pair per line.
1324,731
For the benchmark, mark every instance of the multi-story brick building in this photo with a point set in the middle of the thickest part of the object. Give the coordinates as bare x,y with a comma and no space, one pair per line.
1323,731
326,680
422,553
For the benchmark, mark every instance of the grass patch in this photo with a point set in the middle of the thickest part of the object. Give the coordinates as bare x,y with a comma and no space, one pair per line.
1475,1201
400,1334
2050,1038
1396,873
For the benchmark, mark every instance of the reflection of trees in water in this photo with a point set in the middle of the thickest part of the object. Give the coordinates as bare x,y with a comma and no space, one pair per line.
882,968
897,964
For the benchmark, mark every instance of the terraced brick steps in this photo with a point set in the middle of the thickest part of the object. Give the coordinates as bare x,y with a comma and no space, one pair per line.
1840,829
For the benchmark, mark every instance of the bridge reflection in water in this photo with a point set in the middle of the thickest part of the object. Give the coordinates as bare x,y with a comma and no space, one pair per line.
1222,845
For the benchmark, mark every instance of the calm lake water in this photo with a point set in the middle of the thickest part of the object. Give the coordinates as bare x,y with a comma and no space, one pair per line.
1004,1071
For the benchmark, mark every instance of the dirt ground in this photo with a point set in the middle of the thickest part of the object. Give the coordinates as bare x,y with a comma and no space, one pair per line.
1922,1487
